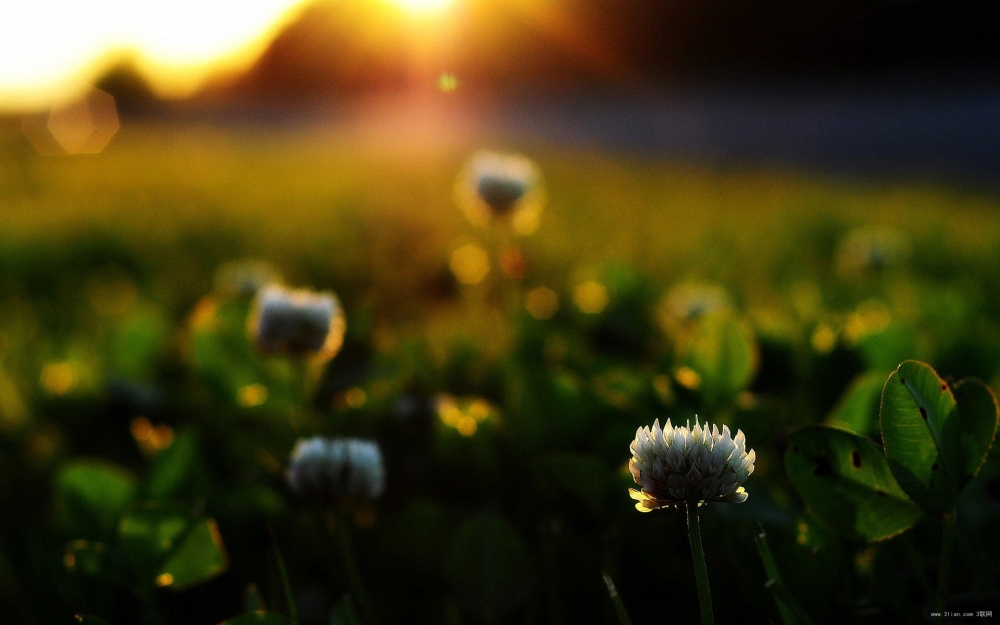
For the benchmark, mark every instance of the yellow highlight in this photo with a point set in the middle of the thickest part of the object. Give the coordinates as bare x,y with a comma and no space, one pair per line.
464,414
164,579
824,339
470,264
447,83
591,297
251,395
151,439
542,303
59,378
688,378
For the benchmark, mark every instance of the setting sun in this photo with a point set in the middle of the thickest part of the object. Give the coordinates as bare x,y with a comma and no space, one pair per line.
50,49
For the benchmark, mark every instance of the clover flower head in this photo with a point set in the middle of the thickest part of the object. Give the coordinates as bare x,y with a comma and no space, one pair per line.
299,322
497,186
335,468
691,300
873,249
673,465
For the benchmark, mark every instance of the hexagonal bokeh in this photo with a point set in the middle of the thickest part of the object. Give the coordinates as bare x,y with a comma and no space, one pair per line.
84,125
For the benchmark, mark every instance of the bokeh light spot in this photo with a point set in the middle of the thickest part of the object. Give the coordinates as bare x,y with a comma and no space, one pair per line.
542,303
251,395
447,83
470,264
687,377
84,125
59,378
590,297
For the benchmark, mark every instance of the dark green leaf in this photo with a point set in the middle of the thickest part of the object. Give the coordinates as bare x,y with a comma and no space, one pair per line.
845,480
170,548
198,556
978,417
86,619
172,469
920,431
92,496
584,478
489,567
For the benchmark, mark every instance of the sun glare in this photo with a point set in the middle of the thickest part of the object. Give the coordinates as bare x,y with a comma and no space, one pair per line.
51,49
423,7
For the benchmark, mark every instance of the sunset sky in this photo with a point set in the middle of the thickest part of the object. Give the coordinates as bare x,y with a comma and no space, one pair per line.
51,49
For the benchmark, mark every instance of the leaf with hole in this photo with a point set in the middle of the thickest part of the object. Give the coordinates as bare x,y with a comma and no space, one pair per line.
936,436
846,482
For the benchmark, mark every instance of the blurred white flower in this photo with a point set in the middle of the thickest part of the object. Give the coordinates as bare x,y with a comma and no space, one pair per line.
297,322
874,249
243,278
497,186
339,467
680,464
691,300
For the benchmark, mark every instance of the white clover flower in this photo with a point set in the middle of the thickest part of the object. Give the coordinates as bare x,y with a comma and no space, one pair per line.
497,186
680,464
691,300
339,467
297,322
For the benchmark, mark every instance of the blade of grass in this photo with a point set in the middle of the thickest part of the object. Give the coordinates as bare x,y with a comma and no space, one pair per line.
789,609
616,599
293,611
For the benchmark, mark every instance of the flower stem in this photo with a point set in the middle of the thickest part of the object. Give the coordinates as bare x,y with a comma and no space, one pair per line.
944,565
700,569
360,596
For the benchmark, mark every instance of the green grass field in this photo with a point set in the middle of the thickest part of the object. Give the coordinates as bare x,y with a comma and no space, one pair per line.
113,322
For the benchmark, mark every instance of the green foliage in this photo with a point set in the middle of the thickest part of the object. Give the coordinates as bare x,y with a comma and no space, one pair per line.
84,619
489,567
858,408
935,444
92,496
723,352
171,548
846,482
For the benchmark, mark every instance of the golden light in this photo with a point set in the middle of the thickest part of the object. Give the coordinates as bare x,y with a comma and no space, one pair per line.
52,49
423,7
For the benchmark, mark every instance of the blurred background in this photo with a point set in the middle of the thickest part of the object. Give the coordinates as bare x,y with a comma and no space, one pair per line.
747,210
